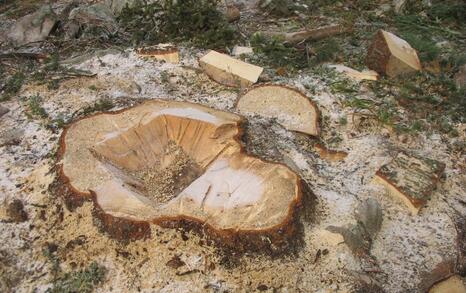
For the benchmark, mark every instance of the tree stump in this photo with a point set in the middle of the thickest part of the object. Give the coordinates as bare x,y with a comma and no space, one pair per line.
177,164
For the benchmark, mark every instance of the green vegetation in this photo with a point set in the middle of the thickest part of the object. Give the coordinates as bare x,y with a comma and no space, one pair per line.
35,107
274,53
196,21
100,105
12,86
82,281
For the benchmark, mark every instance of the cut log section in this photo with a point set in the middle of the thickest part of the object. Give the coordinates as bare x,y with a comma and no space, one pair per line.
312,35
391,55
292,109
169,162
229,71
411,179
354,74
454,284
165,52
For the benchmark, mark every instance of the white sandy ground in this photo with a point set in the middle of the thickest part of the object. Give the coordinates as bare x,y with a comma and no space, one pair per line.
405,248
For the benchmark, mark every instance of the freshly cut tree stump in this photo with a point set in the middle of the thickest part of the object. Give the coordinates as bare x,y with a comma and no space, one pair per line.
292,109
166,52
229,71
411,179
454,284
169,162
391,55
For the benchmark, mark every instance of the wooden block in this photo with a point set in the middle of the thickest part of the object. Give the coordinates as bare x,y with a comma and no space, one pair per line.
229,71
391,55
410,178
166,52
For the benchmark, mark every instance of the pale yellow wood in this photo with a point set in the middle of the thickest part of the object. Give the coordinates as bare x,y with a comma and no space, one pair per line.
454,284
229,71
355,74
292,109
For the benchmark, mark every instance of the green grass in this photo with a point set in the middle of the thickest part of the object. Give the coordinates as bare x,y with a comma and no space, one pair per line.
195,21
35,107
83,281
12,86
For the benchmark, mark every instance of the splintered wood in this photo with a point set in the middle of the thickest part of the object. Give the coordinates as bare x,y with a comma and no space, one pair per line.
229,71
291,108
164,52
163,162
391,55
411,179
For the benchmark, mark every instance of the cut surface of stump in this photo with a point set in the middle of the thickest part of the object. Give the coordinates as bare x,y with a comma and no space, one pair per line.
411,179
229,71
292,109
166,52
454,284
391,55
164,161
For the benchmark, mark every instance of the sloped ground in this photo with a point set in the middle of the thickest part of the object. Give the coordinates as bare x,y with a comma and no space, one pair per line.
37,253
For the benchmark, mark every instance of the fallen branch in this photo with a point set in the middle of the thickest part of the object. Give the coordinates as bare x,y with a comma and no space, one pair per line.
314,34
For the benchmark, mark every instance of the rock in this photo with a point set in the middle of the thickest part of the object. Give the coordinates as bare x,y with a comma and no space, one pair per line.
369,214
355,237
233,13
354,74
97,14
3,111
399,6
11,137
117,5
460,78
239,50
33,27
410,178
13,212
391,55
454,284
229,71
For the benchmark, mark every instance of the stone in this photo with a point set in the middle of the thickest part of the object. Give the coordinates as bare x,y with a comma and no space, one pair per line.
399,6
410,178
117,5
369,214
11,136
460,78
392,56
3,111
94,15
232,13
239,50
33,27
229,71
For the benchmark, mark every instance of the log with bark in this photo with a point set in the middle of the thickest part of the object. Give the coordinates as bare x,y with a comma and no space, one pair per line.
311,35
178,164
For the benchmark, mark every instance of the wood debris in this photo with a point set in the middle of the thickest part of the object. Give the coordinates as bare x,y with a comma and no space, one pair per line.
312,35
210,180
410,178
391,55
239,50
229,71
292,109
355,74
165,52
